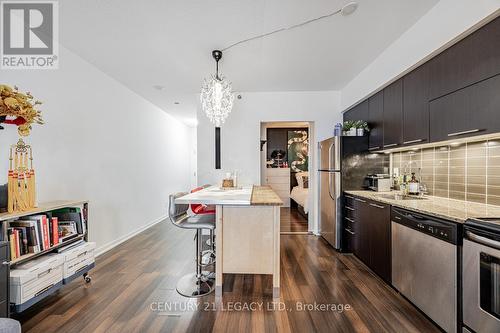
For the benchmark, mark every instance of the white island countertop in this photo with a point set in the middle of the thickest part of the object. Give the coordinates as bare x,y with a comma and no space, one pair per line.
244,196
214,195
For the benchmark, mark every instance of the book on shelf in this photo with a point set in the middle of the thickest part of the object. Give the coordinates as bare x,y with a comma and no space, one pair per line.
32,234
38,219
54,231
67,230
23,240
46,233
12,243
74,214
37,233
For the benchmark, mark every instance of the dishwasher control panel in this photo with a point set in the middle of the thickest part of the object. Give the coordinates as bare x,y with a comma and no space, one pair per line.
442,229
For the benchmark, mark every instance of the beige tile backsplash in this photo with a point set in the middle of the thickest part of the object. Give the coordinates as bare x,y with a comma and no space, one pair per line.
468,171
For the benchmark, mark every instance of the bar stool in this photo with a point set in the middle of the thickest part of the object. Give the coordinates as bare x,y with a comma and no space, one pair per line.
200,208
204,209
193,284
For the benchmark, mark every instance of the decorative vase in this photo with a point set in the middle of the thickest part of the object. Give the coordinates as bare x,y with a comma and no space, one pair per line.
360,131
352,131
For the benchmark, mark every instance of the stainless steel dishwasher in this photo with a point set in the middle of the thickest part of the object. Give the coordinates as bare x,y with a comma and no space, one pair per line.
425,264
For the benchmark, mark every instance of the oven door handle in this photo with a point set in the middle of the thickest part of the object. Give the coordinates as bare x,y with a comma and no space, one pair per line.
483,240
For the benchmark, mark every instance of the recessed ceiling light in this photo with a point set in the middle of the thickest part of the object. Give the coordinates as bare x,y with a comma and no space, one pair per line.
158,87
349,8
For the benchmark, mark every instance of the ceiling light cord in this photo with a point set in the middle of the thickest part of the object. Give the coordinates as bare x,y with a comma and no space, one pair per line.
298,25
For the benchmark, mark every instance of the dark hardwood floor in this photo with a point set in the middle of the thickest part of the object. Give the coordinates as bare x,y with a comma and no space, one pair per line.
133,290
292,221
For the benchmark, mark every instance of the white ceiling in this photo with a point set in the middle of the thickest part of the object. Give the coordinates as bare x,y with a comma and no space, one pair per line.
169,43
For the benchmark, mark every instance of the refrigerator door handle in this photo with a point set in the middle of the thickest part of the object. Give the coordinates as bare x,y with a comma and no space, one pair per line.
337,185
336,190
330,185
336,161
330,157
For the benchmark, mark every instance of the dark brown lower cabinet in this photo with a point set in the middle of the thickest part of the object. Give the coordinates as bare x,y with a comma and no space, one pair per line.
4,279
380,239
372,240
348,231
362,239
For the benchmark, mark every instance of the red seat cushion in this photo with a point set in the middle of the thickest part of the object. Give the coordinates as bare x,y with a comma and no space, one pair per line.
199,208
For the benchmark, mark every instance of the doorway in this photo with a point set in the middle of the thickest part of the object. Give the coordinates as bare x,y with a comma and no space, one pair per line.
286,162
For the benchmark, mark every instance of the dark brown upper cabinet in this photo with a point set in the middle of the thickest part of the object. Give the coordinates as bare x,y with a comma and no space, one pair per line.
416,106
393,114
470,111
359,112
376,121
453,95
473,59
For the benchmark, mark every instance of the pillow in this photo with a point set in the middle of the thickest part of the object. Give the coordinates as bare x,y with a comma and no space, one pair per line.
299,176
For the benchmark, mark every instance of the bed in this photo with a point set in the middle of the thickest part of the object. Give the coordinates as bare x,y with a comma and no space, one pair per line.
300,196
300,192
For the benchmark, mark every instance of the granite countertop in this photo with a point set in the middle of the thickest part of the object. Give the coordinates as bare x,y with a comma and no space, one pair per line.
214,195
265,196
451,209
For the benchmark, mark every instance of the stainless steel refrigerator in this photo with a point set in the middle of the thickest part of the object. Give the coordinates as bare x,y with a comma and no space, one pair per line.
344,162
330,179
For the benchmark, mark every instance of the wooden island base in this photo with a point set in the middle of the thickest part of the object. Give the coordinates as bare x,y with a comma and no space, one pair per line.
248,242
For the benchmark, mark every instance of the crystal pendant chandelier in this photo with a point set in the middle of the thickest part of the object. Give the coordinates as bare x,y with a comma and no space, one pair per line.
217,95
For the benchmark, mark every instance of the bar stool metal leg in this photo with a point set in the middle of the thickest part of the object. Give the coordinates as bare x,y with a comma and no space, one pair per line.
196,284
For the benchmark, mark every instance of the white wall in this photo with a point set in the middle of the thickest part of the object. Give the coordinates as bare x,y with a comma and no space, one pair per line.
104,143
240,135
436,30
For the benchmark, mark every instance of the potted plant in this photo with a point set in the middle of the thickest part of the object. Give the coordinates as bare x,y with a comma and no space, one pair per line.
349,128
361,127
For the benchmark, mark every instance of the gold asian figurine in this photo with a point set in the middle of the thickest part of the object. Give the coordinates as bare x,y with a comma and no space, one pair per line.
21,181
19,106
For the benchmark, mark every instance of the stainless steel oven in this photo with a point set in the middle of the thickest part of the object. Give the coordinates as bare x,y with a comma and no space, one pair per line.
481,275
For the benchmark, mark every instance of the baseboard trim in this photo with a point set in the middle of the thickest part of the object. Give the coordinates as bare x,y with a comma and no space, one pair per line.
111,245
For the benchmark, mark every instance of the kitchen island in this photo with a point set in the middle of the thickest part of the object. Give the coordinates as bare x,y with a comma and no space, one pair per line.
247,231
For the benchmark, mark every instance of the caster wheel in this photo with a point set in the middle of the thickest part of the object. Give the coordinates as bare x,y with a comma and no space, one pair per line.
88,279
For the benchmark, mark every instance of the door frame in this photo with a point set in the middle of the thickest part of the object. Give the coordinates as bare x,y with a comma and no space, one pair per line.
313,195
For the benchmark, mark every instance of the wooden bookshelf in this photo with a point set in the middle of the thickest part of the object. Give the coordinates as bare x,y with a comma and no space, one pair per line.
6,218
